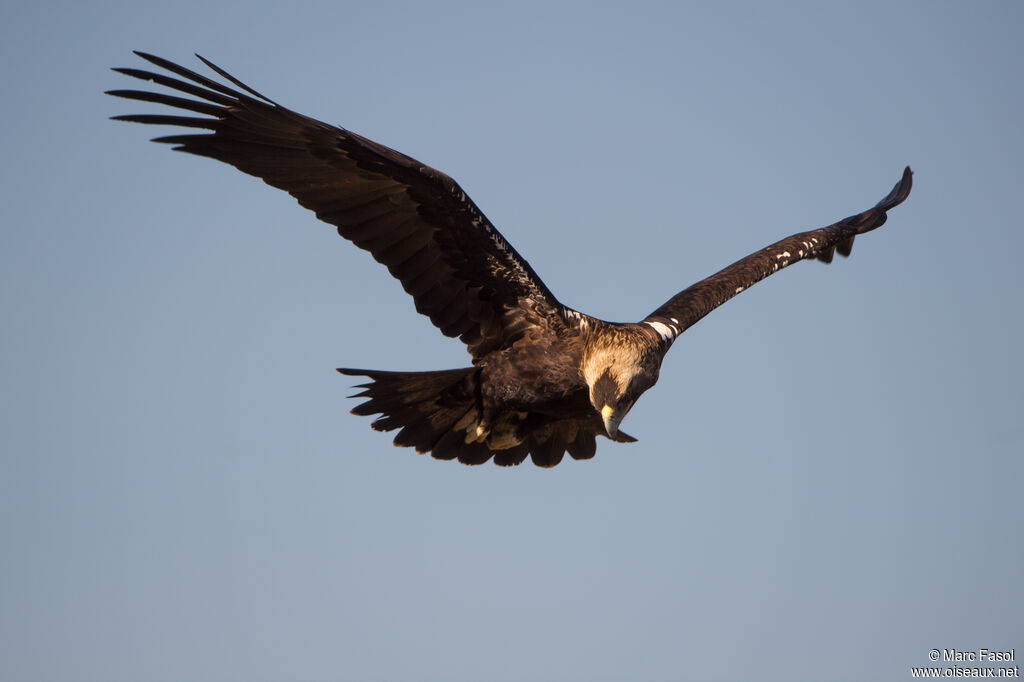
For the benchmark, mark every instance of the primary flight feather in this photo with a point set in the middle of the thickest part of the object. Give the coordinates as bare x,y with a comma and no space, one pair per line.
545,379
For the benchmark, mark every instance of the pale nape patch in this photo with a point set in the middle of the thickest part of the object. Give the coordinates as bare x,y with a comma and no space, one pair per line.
621,364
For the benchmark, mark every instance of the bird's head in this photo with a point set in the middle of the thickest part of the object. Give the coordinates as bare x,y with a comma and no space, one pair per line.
617,376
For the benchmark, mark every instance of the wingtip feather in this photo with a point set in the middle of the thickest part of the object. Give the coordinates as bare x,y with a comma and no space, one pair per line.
900,191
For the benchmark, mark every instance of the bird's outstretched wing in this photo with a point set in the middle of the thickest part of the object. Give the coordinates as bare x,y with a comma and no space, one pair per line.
417,221
688,306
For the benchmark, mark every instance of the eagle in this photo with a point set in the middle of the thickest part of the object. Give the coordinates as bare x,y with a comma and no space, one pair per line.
544,379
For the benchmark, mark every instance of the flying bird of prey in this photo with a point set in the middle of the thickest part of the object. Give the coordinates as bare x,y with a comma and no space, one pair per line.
545,379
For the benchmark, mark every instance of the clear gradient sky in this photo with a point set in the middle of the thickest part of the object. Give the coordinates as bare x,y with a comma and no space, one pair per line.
827,483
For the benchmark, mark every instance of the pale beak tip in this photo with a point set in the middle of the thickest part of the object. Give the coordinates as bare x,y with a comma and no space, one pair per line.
611,422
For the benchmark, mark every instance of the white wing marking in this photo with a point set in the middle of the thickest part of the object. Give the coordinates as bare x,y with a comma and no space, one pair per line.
666,332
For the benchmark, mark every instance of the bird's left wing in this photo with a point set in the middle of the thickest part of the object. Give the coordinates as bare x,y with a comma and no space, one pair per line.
415,220
688,306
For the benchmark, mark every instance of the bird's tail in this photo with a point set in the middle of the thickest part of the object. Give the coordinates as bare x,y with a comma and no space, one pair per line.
434,410
440,412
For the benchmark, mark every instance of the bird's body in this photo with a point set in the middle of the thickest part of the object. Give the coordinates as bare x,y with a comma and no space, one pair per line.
545,379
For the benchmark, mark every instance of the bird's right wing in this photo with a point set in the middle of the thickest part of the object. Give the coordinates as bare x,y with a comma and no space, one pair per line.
414,219
688,306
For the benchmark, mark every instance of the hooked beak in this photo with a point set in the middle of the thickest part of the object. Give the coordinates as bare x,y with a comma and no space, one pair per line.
611,420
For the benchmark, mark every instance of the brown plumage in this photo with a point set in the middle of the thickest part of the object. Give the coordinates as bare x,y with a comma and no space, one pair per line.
545,379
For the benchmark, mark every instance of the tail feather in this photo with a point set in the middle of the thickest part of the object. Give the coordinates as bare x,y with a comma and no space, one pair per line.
548,452
448,446
512,456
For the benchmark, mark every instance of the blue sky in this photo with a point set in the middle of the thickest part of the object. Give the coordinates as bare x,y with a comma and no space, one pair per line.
827,483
